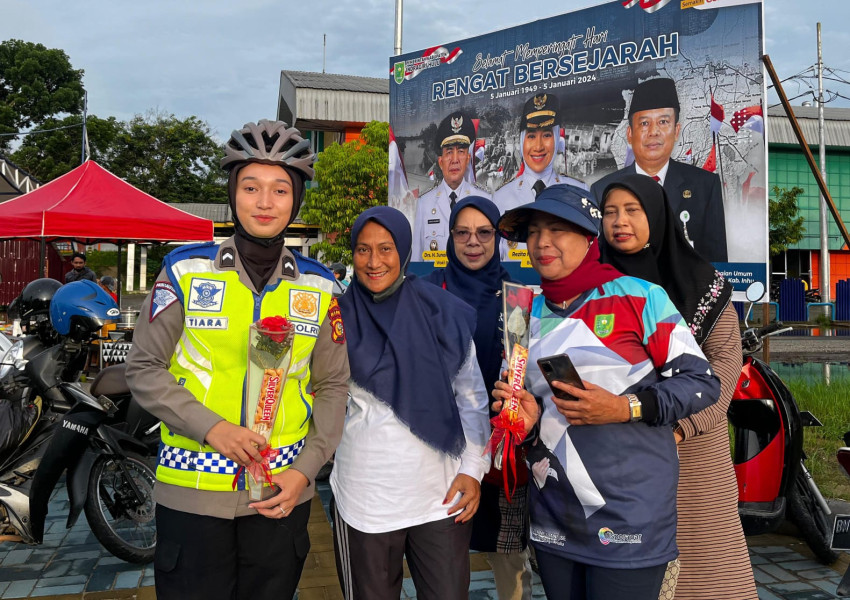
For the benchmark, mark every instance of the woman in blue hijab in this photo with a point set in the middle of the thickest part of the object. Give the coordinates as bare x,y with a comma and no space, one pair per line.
406,474
474,273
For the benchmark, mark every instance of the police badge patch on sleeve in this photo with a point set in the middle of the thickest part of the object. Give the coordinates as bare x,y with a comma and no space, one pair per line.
163,296
337,329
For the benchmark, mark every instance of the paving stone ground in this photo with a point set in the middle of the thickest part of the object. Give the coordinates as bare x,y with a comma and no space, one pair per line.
71,564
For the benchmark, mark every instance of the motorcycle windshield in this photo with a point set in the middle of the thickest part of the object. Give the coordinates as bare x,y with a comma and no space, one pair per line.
11,353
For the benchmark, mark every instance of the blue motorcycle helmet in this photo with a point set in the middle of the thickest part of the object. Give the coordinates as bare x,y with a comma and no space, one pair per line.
80,308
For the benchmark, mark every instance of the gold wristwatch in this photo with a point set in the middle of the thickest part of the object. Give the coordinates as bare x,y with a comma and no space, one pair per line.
635,411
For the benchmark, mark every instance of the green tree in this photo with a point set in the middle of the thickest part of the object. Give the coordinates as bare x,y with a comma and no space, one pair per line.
786,228
351,178
35,83
50,154
171,159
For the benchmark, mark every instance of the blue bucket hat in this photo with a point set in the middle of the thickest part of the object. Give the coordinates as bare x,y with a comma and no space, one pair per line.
568,202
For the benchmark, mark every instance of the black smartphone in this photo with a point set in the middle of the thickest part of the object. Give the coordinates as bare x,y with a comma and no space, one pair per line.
560,368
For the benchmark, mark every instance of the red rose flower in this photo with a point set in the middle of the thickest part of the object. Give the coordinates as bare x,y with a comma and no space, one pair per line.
519,297
278,325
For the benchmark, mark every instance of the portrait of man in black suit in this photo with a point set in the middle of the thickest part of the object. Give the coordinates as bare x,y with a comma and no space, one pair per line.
695,194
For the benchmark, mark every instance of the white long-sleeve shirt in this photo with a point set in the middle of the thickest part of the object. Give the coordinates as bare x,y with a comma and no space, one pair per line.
385,478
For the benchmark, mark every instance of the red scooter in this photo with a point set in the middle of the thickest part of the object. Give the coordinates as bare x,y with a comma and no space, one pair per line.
767,425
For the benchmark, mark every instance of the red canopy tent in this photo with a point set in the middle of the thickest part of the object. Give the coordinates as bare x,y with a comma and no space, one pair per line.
90,204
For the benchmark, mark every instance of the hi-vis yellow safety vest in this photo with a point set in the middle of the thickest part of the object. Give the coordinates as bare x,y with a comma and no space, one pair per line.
210,360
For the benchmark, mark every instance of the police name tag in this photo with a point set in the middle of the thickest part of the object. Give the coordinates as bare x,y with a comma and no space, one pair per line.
206,322
841,533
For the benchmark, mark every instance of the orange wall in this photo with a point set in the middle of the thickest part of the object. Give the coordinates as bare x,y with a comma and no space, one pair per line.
839,268
352,131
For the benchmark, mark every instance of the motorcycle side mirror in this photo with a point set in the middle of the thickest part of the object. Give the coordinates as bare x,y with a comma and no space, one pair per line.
755,292
12,358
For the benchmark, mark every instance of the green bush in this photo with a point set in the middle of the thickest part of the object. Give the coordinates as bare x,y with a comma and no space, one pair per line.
105,262
830,405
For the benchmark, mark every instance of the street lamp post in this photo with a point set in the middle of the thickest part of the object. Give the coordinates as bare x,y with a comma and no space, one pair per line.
399,6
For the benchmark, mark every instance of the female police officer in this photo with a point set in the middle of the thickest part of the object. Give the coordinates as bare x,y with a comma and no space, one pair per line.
540,131
188,367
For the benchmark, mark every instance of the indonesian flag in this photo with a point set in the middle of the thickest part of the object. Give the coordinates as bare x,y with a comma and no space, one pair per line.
476,151
751,118
711,161
396,176
689,157
446,57
649,6
431,174
479,149
562,141
717,116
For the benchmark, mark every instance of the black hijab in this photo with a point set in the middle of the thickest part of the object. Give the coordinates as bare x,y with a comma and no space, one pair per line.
260,256
481,289
697,290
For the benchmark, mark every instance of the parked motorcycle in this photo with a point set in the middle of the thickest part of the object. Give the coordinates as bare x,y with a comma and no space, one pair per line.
843,523
32,309
102,437
813,295
767,427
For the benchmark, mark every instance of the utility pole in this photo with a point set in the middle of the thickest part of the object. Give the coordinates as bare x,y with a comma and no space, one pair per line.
324,50
825,290
85,110
399,6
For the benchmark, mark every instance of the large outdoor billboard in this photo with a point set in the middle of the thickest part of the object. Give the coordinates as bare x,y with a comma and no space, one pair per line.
579,97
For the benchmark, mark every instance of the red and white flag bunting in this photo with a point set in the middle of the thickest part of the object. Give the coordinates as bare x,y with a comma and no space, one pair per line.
717,116
750,117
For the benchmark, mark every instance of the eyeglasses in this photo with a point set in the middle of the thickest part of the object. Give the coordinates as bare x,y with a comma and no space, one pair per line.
484,234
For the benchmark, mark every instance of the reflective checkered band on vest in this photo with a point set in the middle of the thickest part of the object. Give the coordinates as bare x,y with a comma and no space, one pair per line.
213,462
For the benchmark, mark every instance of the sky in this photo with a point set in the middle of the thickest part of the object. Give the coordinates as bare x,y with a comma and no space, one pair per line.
221,61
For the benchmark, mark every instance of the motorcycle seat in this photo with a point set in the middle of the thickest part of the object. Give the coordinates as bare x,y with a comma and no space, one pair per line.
111,381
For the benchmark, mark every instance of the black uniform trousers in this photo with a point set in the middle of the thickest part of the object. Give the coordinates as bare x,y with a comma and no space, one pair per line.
253,557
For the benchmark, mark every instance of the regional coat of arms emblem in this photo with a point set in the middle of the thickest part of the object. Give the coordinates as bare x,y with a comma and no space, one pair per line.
603,325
